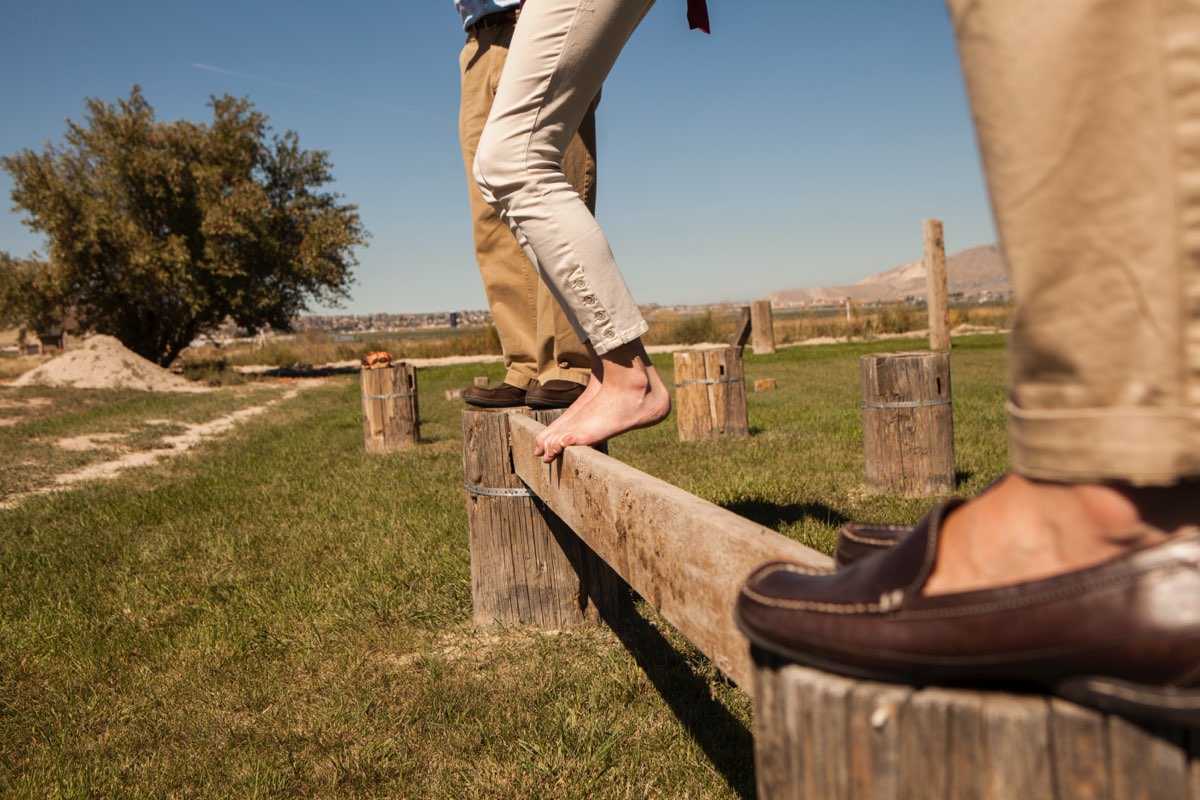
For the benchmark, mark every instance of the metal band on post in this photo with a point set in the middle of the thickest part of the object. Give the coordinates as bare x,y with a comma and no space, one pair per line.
944,401
710,381
488,491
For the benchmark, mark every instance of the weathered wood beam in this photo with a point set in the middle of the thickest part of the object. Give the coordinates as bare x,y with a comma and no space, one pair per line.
684,555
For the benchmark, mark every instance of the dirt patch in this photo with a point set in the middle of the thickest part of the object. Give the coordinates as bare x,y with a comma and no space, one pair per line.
104,363
91,441
170,447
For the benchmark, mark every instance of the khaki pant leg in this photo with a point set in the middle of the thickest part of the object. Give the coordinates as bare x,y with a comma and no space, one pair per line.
509,281
1088,117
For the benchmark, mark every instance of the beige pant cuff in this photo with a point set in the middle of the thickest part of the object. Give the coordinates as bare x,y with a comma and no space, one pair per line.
580,376
602,345
513,378
1138,446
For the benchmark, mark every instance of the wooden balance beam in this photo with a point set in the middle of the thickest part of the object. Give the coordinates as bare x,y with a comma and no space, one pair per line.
686,556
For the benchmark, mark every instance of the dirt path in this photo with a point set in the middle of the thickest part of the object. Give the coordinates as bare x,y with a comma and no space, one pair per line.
171,447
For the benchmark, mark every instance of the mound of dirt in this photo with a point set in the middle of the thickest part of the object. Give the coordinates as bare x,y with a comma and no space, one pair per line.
104,363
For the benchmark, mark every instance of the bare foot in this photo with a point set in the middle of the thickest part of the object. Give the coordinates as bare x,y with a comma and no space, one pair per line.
1023,530
631,396
589,391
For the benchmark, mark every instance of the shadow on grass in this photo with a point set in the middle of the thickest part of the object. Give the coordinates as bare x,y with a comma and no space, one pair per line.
773,515
727,743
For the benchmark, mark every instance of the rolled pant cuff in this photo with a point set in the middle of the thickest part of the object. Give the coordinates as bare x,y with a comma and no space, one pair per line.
1137,446
603,345
580,376
518,380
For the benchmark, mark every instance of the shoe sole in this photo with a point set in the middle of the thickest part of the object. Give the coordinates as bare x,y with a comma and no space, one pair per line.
1098,692
543,404
492,404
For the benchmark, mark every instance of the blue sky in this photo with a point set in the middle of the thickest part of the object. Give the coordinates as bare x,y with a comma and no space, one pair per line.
799,145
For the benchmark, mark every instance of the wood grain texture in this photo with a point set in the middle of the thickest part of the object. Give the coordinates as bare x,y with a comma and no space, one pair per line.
952,744
908,423
937,293
527,566
710,394
762,325
684,555
1081,755
741,332
391,420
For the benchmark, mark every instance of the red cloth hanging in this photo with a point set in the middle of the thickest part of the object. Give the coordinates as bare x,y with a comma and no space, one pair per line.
698,15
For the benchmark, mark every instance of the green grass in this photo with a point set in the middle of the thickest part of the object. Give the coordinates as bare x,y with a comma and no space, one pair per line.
279,614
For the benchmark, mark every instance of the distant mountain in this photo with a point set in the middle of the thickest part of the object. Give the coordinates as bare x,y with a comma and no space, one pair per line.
973,272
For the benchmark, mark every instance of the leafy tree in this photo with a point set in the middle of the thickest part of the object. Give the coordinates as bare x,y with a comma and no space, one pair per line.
29,295
158,231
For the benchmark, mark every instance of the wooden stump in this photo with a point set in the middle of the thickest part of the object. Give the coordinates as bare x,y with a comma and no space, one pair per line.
937,298
389,401
762,325
710,394
527,566
908,425
823,737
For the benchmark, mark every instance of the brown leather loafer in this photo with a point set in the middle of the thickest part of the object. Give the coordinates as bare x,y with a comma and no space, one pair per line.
553,394
1122,636
503,396
857,540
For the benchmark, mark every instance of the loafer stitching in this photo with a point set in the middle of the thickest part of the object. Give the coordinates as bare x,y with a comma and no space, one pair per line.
958,611
873,540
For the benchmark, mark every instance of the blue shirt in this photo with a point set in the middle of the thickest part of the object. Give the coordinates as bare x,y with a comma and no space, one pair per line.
474,10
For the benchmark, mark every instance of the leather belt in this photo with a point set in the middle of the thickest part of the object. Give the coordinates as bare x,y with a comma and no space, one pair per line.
499,19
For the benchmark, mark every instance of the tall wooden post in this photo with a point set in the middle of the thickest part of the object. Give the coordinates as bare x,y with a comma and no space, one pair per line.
937,294
710,394
527,566
819,736
389,402
762,326
908,424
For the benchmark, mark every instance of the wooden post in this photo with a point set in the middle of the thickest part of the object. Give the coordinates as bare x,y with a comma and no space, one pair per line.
819,736
908,424
763,327
741,334
527,566
937,297
389,401
710,394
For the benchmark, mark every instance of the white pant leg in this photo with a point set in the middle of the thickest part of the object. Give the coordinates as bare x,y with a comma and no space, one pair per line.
559,57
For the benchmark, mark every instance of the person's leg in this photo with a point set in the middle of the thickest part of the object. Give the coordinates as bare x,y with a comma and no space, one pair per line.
561,54
1088,124
509,281
561,356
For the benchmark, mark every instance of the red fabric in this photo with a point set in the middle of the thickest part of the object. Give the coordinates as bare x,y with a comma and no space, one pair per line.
698,15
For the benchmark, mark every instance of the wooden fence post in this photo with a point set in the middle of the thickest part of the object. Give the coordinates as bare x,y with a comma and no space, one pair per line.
710,394
741,333
908,423
819,736
527,566
762,326
389,401
937,297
